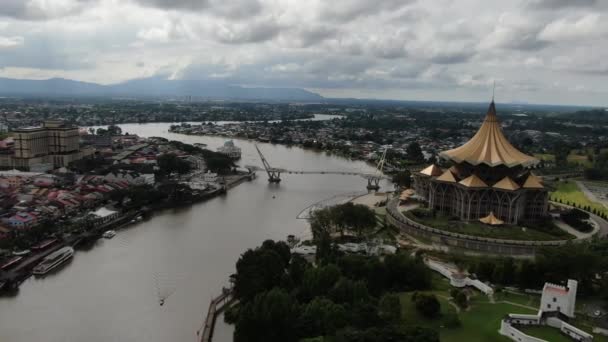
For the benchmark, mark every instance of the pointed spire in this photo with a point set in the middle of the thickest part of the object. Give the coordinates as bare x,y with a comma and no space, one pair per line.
491,114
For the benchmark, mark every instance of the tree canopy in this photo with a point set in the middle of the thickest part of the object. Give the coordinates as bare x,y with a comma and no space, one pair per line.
285,298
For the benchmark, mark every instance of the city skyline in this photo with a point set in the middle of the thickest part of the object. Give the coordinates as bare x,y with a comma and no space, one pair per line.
543,51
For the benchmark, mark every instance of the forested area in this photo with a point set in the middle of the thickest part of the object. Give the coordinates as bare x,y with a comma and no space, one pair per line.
283,297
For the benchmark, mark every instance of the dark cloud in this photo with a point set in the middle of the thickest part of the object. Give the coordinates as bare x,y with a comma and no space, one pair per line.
555,4
31,10
234,9
347,10
312,35
254,32
447,57
175,4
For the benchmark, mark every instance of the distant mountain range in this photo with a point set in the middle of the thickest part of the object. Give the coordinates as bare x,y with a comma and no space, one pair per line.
152,87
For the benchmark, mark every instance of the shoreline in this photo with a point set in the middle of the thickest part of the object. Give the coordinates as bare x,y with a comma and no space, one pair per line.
386,170
11,280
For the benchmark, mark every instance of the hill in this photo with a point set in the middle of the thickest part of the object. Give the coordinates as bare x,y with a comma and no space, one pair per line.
152,87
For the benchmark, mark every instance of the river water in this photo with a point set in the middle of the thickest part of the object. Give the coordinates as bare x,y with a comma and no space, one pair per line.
111,292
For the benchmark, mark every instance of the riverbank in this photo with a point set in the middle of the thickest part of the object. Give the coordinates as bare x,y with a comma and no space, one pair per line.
111,290
12,278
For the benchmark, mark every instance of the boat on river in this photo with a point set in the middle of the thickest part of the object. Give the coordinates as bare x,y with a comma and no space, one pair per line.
109,234
10,262
54,260
44,244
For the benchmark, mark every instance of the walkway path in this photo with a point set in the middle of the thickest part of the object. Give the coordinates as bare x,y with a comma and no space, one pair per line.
579,235
603,224
517,304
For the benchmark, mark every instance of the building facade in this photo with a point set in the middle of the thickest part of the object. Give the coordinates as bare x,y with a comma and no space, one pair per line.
52,145
489,179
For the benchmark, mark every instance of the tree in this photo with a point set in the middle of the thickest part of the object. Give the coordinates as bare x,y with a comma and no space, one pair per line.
114,130
354,217
414,152
169,163
321,317
280,247
426,304
406,273
403,179
319,281
389,308
340,218
461,299
388,333
271,316
561,152
257,271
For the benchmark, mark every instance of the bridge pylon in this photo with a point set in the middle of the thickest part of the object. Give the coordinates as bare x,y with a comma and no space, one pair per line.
373,180
373,183
274,174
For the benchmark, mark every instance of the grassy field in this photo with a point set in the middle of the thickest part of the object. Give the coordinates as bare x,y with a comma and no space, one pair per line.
483,230
568,191
519,298
580,159
546,333
481,321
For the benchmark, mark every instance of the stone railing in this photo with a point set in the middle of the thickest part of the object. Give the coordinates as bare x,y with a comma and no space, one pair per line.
497,246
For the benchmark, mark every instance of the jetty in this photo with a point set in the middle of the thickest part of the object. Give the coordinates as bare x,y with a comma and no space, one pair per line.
216,306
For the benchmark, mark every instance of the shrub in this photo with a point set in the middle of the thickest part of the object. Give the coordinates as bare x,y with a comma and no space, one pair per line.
426,304
576,219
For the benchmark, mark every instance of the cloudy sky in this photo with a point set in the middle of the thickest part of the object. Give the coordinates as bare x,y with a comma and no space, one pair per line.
538,51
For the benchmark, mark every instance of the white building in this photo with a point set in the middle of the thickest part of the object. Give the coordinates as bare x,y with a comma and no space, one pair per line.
562,299
457,278
230,150
557,303
130,177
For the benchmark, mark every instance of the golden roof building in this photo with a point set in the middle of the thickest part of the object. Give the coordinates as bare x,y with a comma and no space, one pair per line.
489,179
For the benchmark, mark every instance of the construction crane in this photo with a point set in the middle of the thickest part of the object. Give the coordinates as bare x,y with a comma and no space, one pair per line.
274,174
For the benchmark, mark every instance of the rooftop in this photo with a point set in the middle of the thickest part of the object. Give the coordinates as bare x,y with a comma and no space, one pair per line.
489,146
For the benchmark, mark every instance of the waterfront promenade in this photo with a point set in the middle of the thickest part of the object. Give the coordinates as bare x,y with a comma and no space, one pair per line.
474,243
216,306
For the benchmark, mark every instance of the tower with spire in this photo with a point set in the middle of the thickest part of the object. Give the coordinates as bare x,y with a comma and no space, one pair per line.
488,180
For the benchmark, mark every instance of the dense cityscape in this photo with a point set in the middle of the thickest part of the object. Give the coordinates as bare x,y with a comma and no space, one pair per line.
65,185
303,171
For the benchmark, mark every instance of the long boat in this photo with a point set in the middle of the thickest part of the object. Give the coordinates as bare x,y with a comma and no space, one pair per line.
11,262
53,260
44,244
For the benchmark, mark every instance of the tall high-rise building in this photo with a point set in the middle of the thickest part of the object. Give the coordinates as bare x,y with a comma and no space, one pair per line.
54,144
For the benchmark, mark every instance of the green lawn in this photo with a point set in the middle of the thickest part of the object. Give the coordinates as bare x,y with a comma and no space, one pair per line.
580,159
568,191
483,230
546,333
519,298
412,317
481,323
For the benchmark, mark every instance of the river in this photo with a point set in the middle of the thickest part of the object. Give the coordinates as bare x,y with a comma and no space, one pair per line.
111,292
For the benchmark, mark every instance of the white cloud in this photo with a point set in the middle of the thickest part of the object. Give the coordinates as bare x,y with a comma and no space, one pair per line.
10,42
410,49
588,26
